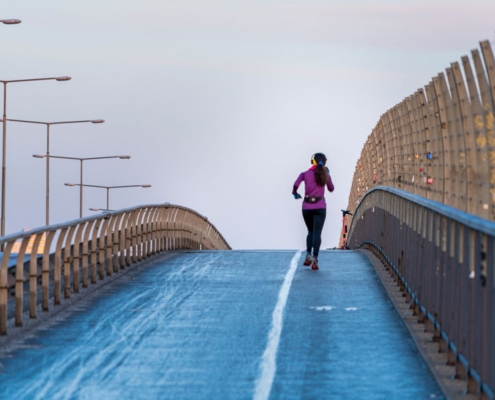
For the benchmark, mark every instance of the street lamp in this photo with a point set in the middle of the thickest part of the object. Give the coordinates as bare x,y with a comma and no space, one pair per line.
10,21
94,121
60,79
108,189
81,160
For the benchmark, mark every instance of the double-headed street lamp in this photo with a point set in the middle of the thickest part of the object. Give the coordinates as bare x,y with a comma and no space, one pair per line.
108,190
60,79
94,121
81,184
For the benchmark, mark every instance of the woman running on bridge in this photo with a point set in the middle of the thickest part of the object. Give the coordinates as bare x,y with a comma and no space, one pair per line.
314,208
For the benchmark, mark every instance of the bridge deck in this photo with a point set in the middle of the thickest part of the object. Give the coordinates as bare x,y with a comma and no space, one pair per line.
197,326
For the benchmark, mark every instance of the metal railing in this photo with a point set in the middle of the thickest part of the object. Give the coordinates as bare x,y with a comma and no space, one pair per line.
438,142
97,245
444,260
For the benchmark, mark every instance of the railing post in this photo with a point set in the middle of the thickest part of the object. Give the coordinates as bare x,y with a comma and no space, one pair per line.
57,273
33,275
4,289
45,273
130,239
165,216
134,233
102,247
174,228
144,233
149,231
124,240
78,243
116,238
67,260
94,250
19,281
85,253
140,227
109,244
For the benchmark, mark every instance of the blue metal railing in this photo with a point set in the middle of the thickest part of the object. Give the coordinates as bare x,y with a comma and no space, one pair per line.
445,261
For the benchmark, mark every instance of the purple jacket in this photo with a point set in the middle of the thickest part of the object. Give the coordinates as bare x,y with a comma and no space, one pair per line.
311,188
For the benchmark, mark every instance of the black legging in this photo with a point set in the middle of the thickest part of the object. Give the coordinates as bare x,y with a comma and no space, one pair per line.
314,220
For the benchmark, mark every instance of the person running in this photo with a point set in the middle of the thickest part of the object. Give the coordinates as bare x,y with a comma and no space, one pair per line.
314,207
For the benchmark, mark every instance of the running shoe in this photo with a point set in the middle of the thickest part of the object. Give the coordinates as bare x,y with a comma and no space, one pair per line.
314,263
307,261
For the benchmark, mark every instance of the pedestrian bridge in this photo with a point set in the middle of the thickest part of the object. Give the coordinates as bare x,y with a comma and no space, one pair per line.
226,325
150,302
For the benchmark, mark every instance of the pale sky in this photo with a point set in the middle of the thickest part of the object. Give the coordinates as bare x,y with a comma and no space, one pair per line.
220,103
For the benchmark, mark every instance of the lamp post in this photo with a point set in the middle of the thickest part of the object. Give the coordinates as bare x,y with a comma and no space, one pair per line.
108,189
94,121
81,184
10,21
60,79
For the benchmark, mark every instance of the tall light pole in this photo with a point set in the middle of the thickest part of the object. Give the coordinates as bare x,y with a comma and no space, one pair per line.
94,121
5,22
108,189
81,184
60,79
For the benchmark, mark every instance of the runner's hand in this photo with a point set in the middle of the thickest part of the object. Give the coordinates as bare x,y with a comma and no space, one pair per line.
296,196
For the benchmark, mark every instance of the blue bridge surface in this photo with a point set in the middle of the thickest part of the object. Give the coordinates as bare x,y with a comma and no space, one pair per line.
227,325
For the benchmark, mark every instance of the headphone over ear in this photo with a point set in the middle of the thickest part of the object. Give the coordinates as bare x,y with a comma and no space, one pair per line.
321,158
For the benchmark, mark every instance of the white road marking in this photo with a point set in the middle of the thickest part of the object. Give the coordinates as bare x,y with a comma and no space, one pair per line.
322,308
268,365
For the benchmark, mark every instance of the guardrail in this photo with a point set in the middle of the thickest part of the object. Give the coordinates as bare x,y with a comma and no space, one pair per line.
89,246
438,142
444,260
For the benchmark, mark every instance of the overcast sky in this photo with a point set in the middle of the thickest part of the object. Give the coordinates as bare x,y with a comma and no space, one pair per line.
220,103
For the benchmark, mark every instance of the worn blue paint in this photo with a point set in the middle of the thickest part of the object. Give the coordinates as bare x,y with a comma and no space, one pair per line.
195,327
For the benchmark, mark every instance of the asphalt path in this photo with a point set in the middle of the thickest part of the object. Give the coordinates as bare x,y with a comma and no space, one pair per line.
227,325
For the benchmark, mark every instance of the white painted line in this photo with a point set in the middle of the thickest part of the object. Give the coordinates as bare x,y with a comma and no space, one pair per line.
322,308
268,365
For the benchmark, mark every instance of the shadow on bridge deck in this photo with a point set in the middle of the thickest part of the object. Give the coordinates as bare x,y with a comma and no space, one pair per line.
196,325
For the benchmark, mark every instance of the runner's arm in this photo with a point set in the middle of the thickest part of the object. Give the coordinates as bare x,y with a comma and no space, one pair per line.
297,183
330,186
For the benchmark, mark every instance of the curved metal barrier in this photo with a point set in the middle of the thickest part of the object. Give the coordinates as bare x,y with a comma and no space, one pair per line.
444,260
439,142
89,246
